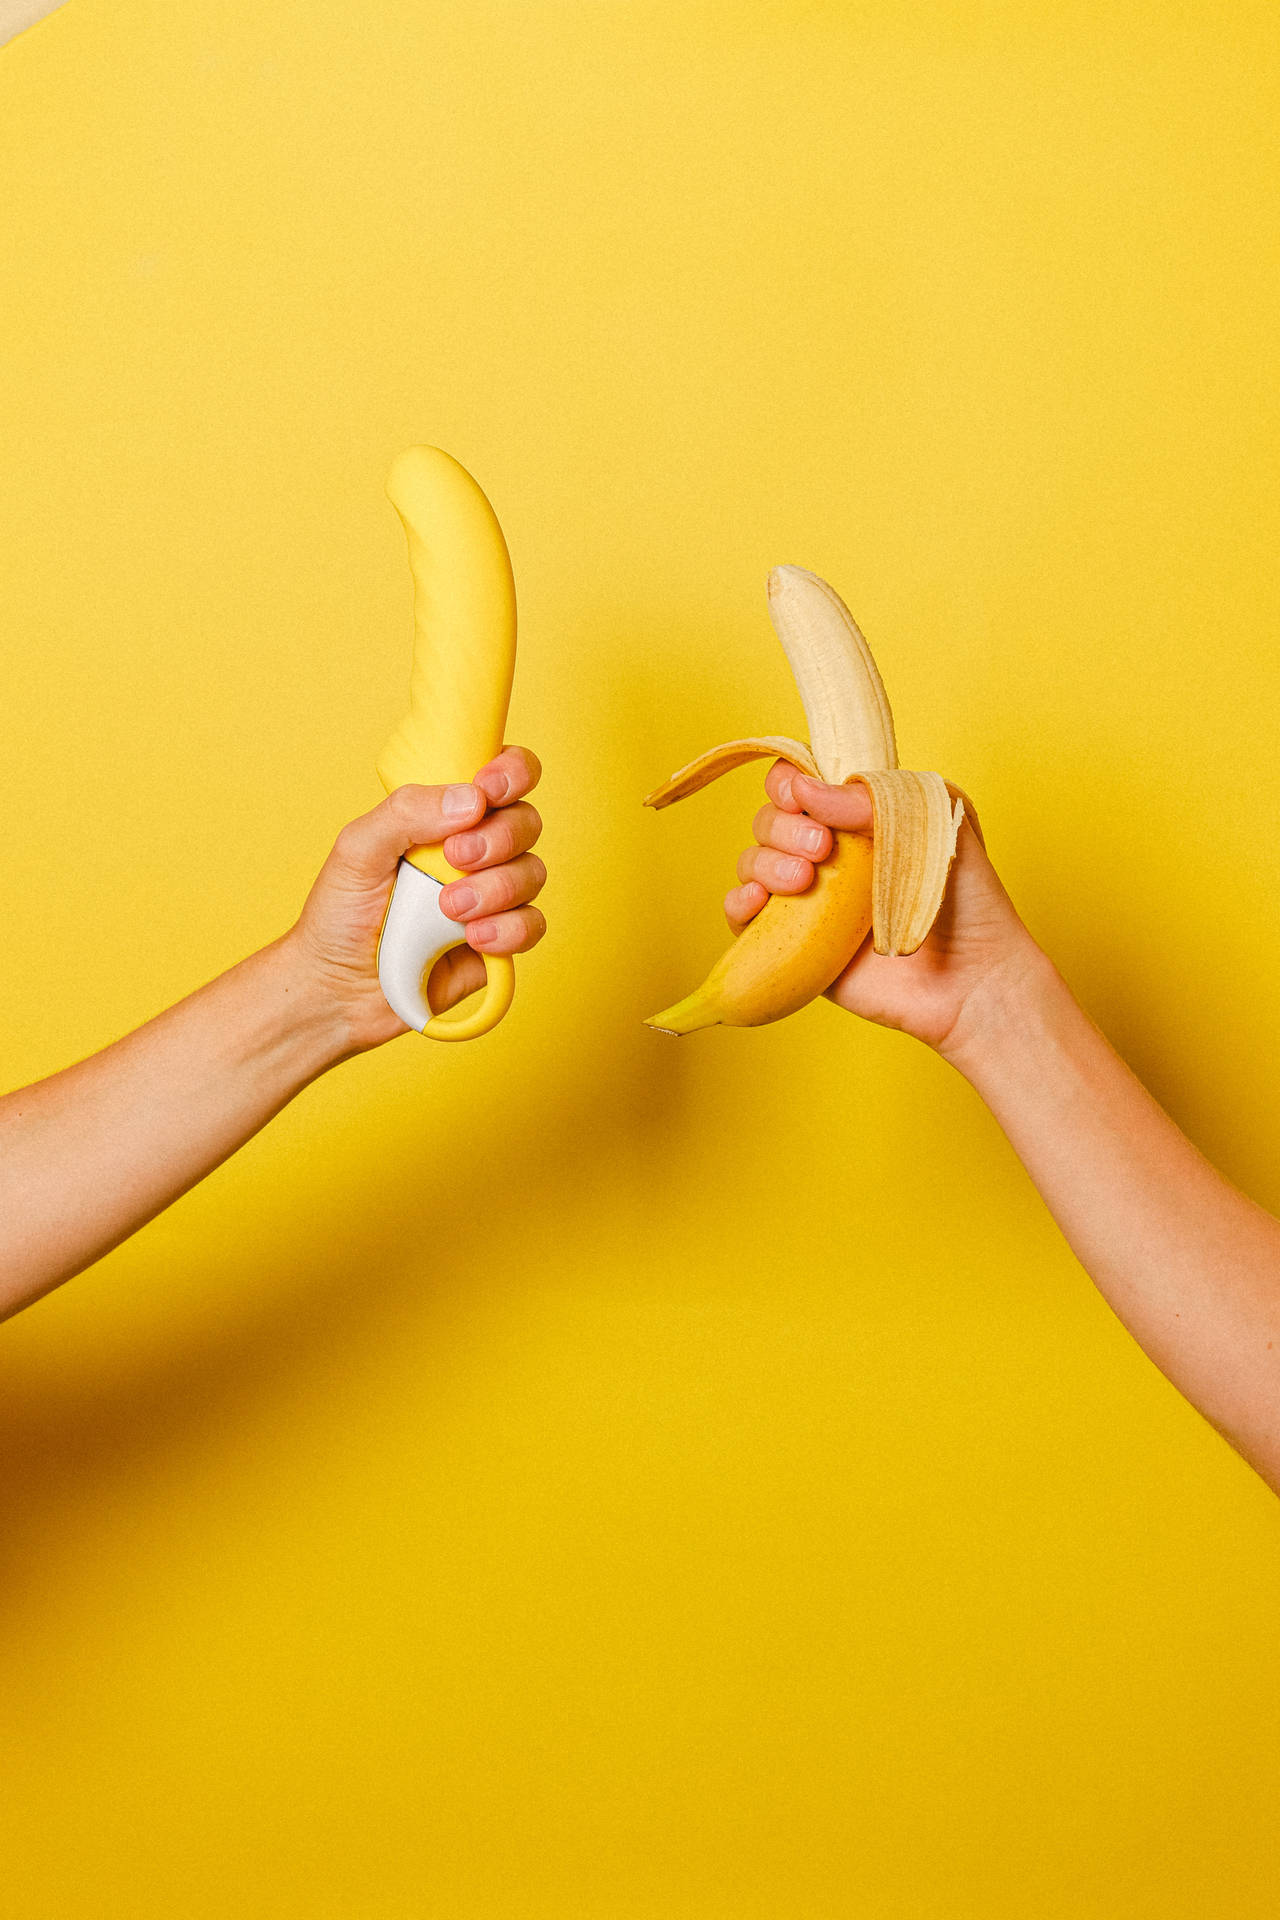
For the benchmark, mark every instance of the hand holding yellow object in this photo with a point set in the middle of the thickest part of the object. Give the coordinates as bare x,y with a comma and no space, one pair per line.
464,652
891,885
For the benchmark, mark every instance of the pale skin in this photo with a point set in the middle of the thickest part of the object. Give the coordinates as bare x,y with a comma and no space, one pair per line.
92,1153
1187,1262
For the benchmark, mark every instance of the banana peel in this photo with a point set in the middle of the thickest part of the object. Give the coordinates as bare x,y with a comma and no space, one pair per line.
890,885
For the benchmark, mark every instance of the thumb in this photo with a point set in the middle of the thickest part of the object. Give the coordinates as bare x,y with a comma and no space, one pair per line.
410,817
848,808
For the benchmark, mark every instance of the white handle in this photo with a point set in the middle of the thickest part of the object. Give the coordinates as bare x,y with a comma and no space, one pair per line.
415,933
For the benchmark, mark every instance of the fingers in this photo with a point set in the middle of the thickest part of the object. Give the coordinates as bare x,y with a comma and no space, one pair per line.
493,902
500,836
846,807
495,890
790,843
779,872
500,919
420,816
461,971
512,932
778,785
454,975
795,832
410,817
513,773
742,904
792,833
502,875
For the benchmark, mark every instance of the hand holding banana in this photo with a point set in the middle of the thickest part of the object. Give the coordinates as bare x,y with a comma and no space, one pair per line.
974,956
892,886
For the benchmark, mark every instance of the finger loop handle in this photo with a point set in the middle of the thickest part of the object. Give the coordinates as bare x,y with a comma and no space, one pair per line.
415,933
499,991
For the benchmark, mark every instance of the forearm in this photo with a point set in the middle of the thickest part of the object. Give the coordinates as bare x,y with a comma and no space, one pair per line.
1188,1263
90,1154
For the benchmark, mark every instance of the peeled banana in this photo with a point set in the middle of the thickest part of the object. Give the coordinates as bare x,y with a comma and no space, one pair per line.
890,885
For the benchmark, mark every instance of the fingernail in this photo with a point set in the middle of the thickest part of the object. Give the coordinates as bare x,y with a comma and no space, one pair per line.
795,870
786,789
466,847
459,900
457,802
481,932
812,839
503,783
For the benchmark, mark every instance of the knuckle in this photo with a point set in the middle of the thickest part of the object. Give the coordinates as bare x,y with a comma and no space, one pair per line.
505,886
500,840
513,823
405,803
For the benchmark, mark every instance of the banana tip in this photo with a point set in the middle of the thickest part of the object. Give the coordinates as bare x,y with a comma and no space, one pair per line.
687,1016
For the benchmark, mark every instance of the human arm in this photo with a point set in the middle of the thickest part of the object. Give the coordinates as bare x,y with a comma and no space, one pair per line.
1187,1262
90,1154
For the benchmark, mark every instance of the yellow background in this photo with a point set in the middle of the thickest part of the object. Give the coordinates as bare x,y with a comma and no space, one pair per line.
578,1474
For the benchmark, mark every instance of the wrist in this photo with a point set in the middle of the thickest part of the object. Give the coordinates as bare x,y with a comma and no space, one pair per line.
311,1020
1011,1000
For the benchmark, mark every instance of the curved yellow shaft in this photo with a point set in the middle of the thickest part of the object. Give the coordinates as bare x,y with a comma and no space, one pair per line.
464,653
464,631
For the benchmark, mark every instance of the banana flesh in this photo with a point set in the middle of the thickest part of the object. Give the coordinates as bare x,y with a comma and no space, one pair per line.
845,704
891,884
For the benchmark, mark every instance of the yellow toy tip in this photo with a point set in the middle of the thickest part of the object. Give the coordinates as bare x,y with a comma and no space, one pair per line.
687,1016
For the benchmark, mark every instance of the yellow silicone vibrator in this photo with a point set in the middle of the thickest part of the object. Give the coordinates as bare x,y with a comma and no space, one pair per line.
464,655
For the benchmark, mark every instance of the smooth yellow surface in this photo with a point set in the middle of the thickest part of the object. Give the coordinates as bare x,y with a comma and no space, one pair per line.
464,656
592,1477
464,630
790,953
